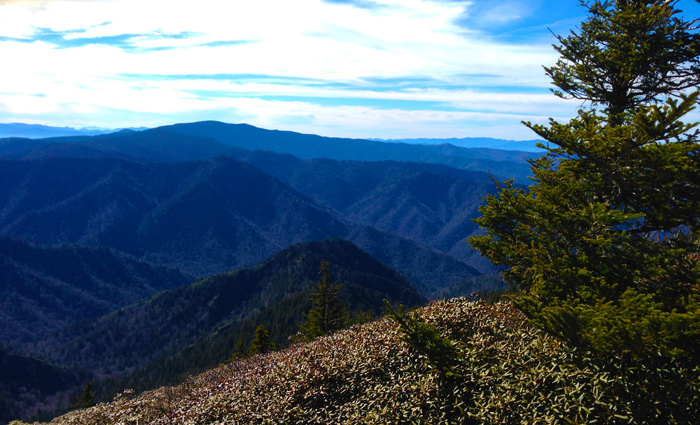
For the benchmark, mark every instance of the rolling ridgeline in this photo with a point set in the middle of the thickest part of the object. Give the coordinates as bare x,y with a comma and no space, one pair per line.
100,236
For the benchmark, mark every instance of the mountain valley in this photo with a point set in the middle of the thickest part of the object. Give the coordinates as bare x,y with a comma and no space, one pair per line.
137,258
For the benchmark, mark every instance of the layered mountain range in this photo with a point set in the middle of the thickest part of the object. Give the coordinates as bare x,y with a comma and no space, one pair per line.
206,139
37,131
475,142
214,215
93,229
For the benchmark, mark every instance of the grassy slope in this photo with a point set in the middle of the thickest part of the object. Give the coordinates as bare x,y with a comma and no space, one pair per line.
508,371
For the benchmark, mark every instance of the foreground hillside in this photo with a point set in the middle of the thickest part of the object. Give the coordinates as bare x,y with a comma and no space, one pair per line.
494,368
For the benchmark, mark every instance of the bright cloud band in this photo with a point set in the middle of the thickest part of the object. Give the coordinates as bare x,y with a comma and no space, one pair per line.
364,68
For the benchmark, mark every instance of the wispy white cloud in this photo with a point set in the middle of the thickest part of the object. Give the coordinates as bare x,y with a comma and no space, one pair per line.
111,60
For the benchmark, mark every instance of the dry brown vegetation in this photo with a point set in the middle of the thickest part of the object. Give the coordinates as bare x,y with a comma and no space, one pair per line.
508,372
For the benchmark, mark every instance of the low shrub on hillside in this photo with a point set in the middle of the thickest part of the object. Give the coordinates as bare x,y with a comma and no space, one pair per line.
492,367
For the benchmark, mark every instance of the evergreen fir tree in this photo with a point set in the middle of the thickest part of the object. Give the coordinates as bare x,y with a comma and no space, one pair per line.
604,243
261,343
328,313
86,399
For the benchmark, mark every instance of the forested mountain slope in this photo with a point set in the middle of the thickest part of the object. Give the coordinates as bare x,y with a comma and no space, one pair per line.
203,217
170,320
428,203
365,283
43,289
432,204
172,334
28,385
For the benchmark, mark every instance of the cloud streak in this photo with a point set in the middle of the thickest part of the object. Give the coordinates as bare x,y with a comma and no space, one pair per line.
359,68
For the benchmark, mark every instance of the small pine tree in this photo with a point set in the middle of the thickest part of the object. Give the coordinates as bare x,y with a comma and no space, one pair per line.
86,399
328,313
261,343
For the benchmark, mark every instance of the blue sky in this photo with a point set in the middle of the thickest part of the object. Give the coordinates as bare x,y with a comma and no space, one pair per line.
347,68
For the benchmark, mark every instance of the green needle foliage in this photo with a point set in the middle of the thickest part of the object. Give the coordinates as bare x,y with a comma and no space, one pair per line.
604,243
261,342
627,54
328,313
603,246
86,399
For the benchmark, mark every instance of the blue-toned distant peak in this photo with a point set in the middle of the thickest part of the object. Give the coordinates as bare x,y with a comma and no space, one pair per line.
474,142
299,144
218,129
38,131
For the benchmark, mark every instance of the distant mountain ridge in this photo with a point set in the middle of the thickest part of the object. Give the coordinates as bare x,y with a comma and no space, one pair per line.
38,131
475,142
206,139
308,146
